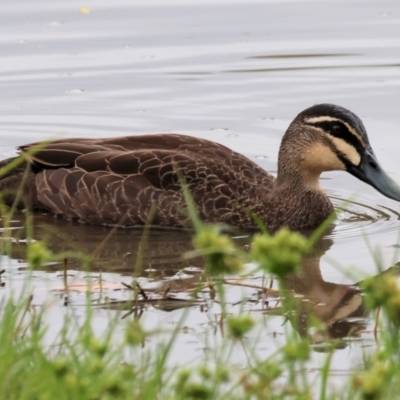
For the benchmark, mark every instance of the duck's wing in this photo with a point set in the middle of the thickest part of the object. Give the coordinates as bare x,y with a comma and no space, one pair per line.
118,181
64,152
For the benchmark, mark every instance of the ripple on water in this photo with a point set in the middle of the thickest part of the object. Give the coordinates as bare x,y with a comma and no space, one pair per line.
365,216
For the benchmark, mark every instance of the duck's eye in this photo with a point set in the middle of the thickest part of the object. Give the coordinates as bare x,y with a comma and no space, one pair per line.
337,128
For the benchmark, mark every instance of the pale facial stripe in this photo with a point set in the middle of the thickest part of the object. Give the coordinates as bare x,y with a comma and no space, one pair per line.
345,148
329,119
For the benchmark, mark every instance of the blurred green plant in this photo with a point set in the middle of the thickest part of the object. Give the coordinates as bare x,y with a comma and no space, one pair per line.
279,254
83,364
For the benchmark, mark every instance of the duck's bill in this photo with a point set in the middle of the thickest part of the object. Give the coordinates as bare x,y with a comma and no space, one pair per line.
372,173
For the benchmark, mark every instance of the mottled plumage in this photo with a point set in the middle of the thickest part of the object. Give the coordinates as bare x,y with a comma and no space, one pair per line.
117,181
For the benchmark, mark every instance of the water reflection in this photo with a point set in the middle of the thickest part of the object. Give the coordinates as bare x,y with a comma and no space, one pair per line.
340,307
310,68
159,256
158,252
301,55
357,218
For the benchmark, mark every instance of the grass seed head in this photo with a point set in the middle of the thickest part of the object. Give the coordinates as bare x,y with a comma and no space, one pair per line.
219,252
279,254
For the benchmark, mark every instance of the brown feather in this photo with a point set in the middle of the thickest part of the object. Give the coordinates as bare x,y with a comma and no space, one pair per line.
118,180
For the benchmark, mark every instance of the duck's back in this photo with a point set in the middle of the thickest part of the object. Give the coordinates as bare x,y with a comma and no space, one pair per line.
119,180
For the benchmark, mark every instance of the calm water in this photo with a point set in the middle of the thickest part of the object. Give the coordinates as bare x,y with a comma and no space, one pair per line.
237,73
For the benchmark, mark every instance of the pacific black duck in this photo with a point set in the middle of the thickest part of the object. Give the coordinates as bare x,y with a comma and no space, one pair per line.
116,181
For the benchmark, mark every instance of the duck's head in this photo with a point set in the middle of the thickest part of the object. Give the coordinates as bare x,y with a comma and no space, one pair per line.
327,137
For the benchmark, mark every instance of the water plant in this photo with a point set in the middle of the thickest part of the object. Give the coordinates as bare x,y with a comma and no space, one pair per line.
82,362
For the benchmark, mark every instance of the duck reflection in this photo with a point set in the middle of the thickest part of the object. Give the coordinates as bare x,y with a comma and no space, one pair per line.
110,250
339,306
160,254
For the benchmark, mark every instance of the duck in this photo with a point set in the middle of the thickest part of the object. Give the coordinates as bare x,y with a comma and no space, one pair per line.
136,180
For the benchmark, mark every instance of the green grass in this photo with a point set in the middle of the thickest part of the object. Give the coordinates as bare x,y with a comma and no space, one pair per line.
81,363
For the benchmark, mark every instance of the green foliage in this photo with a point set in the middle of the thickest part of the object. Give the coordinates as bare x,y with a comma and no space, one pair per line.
38,254
134,334
372,383
219,252
383,291
281,253
296,351
84,369
239,325
85,365
202,382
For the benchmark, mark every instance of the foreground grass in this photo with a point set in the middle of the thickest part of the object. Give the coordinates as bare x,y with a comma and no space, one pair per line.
83,364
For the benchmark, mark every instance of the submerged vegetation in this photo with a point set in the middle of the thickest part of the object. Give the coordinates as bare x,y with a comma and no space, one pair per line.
80,361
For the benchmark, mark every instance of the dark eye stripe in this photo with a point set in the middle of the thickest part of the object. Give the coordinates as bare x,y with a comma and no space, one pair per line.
342,133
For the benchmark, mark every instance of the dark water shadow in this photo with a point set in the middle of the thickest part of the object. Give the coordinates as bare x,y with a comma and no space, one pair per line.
311,68
315,55
340,307
161,254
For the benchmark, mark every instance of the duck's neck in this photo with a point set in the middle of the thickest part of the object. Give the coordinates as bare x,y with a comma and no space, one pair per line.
296,167
298,202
